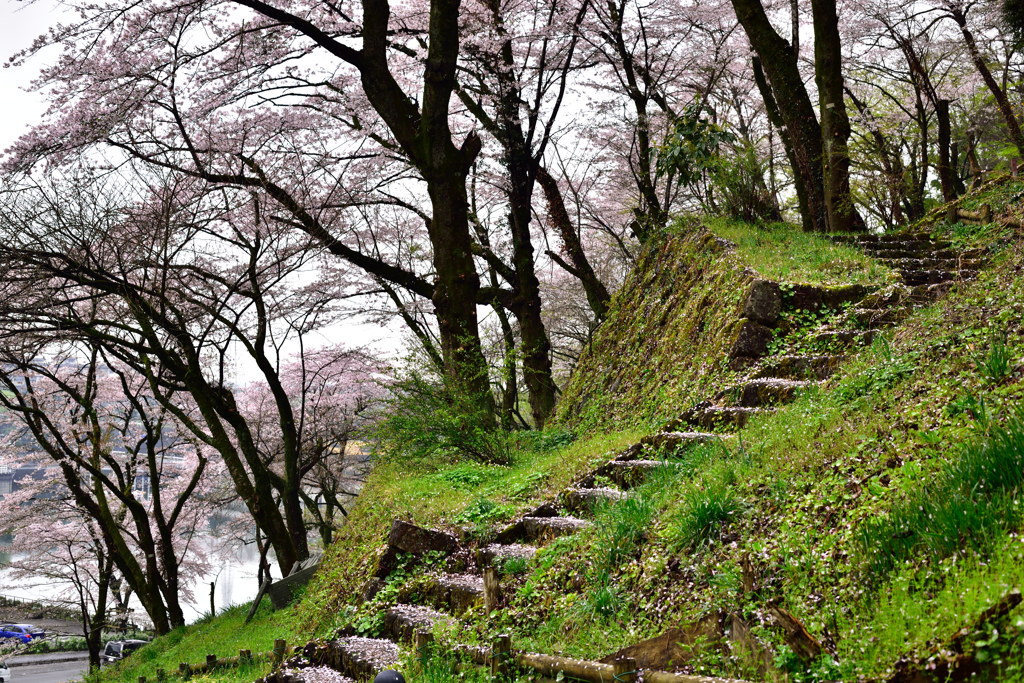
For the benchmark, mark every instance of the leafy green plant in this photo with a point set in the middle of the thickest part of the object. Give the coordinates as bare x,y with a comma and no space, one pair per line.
887,371
427,418
485,511
510,566
691,146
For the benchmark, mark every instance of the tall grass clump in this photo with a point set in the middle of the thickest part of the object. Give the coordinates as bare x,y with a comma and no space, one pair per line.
705,512
970,503
997,364
619,530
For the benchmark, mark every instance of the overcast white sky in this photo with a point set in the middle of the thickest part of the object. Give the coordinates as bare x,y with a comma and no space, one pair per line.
20,23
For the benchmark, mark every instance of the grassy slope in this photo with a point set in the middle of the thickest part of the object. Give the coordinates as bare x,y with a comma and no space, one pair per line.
791,500
794,498
223,636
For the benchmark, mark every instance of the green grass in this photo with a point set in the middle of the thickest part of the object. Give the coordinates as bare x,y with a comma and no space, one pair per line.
223,636
972,502
785,253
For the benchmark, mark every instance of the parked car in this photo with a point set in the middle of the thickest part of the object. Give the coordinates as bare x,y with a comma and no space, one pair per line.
23,632
5,673
116,650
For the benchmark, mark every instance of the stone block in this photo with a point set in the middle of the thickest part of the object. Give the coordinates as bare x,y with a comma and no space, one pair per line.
750,339
764,302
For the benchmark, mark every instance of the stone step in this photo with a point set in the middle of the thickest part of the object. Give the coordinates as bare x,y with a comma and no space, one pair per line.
842,339
360,658
454,593
927,277
812,298
540,529
873,238
661,442
631,473
873,317
907,244
584,500
402,621
800,367
887,254
934,263
764,391
926,293
496,553
722,417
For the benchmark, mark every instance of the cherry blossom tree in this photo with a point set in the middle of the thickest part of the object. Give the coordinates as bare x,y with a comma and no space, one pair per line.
173,288
57,542
117,457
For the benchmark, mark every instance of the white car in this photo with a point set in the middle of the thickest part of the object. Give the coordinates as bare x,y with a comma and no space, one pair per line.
5,673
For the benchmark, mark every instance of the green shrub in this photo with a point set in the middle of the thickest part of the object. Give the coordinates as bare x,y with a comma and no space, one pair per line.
426,419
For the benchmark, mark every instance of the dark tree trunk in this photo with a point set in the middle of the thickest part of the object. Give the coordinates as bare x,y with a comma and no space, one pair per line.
945,165
536,347
775,117
793,107
457,286
835,124
95,622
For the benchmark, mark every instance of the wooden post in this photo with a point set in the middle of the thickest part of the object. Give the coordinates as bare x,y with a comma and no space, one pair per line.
244,656
952,214
161,675
1013,166
184,670
624,670
211,661
501,653
142,679
492,589
986,213
280,647
423,640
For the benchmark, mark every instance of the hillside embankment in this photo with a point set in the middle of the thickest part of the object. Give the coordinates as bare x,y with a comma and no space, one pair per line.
783,457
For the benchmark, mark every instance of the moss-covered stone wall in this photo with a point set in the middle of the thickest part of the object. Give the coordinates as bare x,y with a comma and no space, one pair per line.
666,339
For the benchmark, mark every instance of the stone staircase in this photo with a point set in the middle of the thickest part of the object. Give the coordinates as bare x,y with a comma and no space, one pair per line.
927,269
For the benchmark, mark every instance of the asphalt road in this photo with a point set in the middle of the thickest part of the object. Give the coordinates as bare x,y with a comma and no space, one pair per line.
49,672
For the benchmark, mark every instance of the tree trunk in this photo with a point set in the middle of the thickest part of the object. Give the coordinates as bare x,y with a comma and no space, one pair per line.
945,165
801,127
456,290
775,117
536,347
835,124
